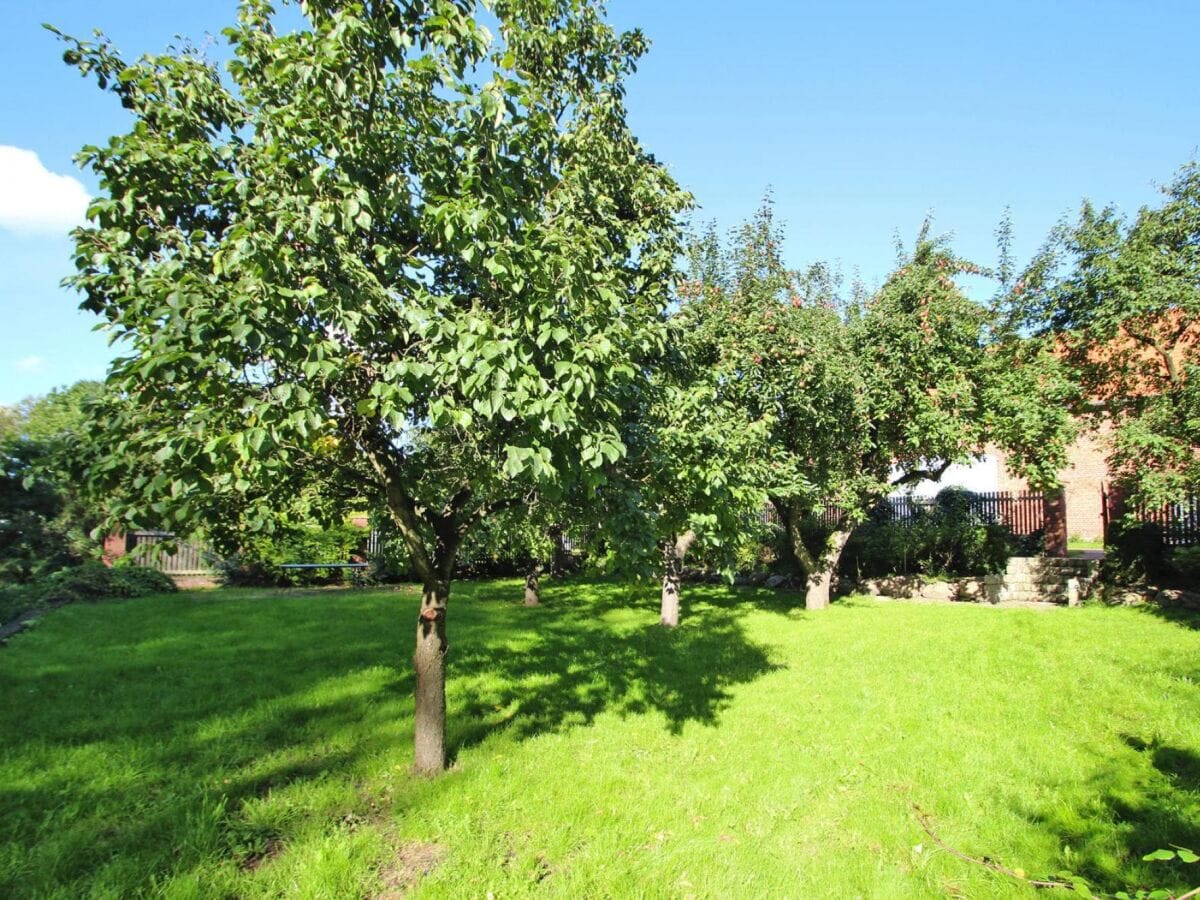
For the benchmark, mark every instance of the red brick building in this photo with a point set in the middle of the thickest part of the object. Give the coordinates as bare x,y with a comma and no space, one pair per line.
1084,482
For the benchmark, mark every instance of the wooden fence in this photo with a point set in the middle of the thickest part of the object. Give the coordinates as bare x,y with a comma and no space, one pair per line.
1022,511
187,558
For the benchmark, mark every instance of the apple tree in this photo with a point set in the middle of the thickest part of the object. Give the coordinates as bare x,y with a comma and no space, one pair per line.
869,394
1119,303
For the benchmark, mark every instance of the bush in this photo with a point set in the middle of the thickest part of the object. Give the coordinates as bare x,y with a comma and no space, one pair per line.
258,562
14,601
392,562
139,581
88,582
1185,561
950,537
1134,552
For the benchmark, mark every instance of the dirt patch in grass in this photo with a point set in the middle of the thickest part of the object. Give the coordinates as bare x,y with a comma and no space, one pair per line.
412,862
253,861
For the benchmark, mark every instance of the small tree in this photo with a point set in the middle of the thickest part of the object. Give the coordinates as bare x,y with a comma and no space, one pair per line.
698,466
428,265
702,476
867,396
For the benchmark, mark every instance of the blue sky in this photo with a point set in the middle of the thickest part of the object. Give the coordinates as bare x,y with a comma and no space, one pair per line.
861,116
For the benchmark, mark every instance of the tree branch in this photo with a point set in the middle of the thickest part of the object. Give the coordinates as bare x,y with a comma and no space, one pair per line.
922,475
683,543
404,514
924,819
1157,346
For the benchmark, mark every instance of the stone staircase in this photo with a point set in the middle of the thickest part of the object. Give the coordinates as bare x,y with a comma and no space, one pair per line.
1044,579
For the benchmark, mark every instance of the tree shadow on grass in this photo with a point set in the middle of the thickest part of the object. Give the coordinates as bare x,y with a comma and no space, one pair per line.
1188,618
1137,802
144,745
607,594
161,741
573,665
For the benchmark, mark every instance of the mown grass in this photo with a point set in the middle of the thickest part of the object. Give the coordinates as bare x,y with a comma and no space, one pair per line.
242,743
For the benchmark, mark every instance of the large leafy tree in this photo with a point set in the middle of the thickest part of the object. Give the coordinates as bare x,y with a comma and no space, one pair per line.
1119,303
868,394
427,263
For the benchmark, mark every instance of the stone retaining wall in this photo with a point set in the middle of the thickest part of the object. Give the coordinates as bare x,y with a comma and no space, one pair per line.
1169,598
1040,579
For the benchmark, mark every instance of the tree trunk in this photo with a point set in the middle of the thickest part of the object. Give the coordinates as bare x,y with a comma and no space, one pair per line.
429,660
533,591
675,549
820,578
558,556
672,572
819,571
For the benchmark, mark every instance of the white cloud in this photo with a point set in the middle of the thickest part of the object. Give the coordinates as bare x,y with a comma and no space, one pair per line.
35,200
29,364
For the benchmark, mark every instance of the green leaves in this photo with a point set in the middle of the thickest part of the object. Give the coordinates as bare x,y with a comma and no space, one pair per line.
367,255
857,392
1183,854
1120,301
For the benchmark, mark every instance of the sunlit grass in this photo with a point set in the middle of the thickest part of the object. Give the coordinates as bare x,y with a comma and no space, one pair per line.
257,743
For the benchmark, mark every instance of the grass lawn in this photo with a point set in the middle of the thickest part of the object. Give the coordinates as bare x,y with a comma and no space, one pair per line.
242,743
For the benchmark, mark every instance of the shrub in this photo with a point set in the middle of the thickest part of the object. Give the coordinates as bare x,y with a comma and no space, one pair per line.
14,601
391,562
88,582
949,537
1186,563
139,581
1134,552
258,561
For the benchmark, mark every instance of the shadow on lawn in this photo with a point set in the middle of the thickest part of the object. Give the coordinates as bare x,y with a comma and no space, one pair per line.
206,708
1188,618
574,664
143,732
1137,802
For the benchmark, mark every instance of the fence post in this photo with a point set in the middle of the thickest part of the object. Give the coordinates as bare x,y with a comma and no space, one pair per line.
1056,522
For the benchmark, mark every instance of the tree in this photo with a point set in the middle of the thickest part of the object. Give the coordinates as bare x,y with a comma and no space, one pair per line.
526,536
427,264
44,522
697,468
868,396
1119,302
694,475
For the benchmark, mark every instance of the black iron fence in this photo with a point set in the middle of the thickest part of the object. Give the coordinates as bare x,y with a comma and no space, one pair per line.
1178,522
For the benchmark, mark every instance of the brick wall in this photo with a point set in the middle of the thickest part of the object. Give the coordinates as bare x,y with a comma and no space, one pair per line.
1083,481
115,546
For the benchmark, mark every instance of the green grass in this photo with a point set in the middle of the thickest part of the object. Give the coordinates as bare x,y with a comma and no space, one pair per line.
14,602
241,743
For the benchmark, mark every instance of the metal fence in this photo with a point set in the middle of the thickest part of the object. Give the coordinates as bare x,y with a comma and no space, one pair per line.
151,548
1179,521
1024,512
